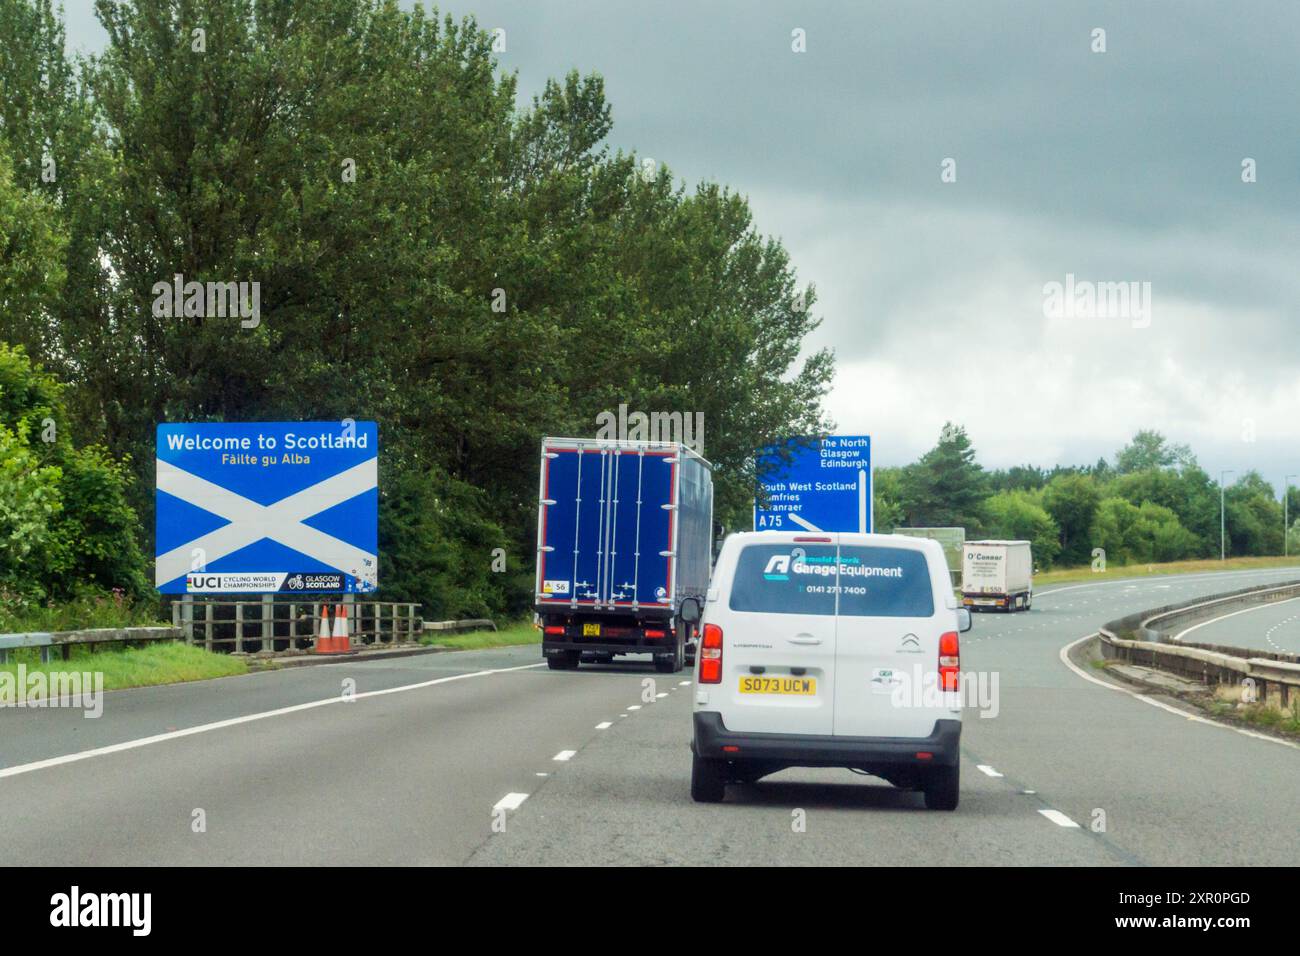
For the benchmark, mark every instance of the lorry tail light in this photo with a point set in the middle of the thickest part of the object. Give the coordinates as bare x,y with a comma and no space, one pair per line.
553,629
949,661
711,655
654,633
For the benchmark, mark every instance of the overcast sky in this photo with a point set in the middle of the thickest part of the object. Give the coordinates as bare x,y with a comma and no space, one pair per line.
1122,166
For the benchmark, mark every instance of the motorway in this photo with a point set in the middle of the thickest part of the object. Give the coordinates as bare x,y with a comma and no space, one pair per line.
1268,627
592,767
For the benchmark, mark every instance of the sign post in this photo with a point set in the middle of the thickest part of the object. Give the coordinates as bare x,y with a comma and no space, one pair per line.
267,507
826,487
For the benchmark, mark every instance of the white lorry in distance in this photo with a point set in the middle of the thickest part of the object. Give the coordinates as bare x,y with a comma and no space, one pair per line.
997,574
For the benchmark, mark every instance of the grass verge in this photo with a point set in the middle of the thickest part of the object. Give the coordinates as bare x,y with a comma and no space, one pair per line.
159,663
1118,571
509,636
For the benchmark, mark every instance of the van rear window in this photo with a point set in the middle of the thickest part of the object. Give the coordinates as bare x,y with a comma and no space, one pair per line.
885,582
785,579
869,582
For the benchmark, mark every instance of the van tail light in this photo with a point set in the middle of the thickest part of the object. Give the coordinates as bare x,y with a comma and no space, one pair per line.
711,655
654,633
949,661
553,629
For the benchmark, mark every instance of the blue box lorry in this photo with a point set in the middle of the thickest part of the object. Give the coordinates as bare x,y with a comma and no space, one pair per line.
624,536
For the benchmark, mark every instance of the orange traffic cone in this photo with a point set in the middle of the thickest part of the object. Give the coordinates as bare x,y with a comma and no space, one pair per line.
342,639
324,638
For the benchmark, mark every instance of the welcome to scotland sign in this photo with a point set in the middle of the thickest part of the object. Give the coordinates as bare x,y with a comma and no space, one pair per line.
261,507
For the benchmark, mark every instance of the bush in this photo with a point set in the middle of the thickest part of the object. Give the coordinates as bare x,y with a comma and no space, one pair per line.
1020,515
65,524
1130,534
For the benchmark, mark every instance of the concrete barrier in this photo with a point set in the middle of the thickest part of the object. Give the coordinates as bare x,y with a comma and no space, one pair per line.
1147,638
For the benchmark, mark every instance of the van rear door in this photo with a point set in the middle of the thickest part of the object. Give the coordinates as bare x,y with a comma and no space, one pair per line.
886,643
778,627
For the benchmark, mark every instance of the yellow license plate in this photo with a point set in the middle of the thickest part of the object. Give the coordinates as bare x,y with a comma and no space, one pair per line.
591,630
800,686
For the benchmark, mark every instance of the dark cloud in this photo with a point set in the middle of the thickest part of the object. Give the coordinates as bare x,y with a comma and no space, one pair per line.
1117,166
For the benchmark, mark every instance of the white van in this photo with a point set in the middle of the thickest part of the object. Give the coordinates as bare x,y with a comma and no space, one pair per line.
829,650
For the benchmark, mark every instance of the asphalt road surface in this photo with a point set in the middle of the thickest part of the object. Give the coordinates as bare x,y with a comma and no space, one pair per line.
1268,627
487,757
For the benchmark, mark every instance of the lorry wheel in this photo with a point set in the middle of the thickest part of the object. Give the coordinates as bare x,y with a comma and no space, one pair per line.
568,661
942,789
707,783
673,664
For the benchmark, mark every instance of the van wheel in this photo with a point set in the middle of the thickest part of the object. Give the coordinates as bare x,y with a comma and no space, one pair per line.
707,782
941,788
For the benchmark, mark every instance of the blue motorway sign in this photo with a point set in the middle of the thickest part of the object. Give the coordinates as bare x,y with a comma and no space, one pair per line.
262,507
827,487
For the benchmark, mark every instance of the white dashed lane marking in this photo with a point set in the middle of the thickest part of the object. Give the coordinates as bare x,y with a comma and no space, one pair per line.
511,801
604,725
565,755
987,770
1059,818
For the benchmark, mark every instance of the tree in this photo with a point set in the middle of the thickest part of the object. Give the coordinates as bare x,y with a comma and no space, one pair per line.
1253,516
945,487
1020,515
471,274
1150,449
64,519
886,488
1190,493
1072,500
1131,534
1017,477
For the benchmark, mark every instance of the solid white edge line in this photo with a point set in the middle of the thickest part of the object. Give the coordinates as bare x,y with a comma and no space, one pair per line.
565,755
1065,659
236,721
1224,617
511,801
1059,818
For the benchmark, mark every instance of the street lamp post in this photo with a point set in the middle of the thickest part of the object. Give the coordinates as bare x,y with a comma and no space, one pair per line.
1286,517
1223,547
